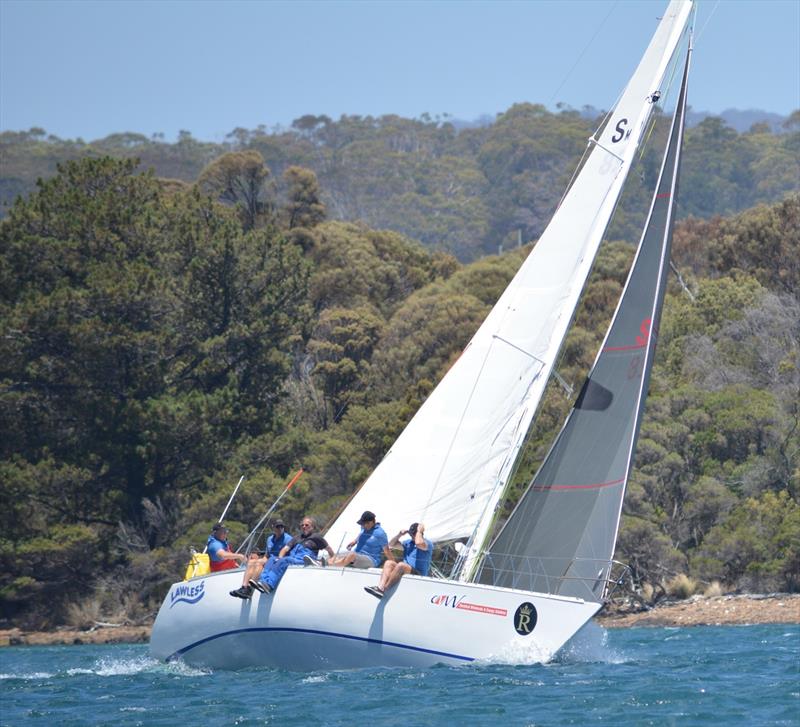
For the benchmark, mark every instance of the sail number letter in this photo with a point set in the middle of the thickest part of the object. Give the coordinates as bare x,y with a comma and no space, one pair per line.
620,131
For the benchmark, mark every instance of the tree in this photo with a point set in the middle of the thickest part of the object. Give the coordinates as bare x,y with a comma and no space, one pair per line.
341,346
304,207
144,338
239,178
757,547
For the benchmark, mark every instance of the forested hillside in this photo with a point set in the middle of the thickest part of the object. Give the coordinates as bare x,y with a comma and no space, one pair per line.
159,339
466,192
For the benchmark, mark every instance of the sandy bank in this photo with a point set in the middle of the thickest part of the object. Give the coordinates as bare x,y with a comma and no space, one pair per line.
696,611
100,635
718,610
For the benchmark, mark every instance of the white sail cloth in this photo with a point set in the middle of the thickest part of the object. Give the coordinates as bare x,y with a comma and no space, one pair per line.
450,465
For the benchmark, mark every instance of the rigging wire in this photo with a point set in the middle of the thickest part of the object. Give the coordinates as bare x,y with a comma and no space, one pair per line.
708,20
583,52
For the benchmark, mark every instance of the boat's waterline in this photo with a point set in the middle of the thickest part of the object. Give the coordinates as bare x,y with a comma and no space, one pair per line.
422,622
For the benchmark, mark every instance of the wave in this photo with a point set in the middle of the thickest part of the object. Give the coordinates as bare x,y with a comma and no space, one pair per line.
32,675
111,667
590,645
138,665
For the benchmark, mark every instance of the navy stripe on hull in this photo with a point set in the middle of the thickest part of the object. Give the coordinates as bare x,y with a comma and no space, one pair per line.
181,652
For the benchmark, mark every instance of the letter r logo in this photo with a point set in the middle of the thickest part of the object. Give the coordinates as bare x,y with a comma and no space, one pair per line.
525,619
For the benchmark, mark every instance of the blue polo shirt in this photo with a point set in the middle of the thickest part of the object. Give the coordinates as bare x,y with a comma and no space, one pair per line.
213,546
275,545
416,558
372,543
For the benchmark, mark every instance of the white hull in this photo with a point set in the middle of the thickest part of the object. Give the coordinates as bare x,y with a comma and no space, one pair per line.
322,618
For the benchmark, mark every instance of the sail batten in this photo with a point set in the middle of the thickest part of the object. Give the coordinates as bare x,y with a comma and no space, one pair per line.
453,461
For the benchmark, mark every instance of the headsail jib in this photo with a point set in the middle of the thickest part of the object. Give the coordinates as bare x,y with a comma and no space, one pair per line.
452,463
561,536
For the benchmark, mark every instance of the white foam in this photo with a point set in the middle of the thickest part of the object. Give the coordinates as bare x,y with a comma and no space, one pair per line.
32,675
315,679
138,665
590,644
518,653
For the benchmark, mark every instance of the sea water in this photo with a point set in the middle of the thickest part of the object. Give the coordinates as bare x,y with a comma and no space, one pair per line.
741,675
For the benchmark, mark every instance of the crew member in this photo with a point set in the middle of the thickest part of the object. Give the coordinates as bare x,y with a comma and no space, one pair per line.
219,553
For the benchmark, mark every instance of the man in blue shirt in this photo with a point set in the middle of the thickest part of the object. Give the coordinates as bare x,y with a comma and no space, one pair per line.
255,565
220,555
366,550
416,559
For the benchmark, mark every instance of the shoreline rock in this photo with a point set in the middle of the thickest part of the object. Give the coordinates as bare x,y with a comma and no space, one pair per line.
63,636
750,609
732,610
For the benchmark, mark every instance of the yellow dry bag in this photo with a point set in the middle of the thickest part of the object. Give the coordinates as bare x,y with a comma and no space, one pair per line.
199,565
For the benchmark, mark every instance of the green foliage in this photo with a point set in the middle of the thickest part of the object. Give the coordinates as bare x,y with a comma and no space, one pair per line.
156,342
356,266
144,338
757,545
304,207
467,192
424,336
239,178
48,569
648,552
341,348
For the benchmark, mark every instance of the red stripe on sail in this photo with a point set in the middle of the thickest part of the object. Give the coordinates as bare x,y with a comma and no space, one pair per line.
592,486
634,347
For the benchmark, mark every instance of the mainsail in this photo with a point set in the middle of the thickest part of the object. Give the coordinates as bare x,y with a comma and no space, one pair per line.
451,464
561,536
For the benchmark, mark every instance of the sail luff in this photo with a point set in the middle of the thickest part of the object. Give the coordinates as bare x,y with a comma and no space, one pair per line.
568,519
450,464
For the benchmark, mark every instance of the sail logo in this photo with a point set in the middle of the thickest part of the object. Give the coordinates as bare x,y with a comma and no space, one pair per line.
642,339
187,594
459,602
644,333
525,618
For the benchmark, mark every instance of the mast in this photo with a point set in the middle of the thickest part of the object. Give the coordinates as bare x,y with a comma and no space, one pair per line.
561,536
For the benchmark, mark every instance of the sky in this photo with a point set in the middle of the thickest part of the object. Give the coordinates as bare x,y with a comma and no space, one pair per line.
89,68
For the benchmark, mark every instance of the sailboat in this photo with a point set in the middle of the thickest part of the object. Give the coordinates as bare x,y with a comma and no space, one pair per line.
530,585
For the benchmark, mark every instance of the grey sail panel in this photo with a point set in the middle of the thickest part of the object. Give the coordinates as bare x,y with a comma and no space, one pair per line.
561,537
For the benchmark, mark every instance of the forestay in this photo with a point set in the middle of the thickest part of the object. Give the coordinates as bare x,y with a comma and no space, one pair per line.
450,465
